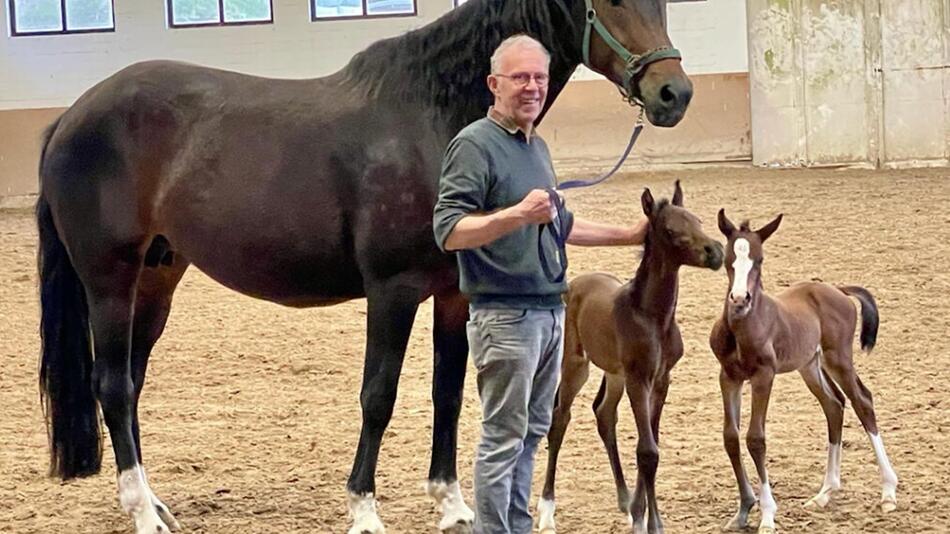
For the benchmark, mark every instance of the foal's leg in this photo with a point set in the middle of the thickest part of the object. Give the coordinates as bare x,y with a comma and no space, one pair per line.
833,406
639,390
761,383
152,304
605,408
732,403
451,356
111,286
841,368
574,372
391,309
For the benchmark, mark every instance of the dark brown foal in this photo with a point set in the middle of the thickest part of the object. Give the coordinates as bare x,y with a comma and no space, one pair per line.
629,330
808,328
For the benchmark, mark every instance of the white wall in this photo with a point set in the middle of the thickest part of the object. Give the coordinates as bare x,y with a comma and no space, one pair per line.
52,71
711,34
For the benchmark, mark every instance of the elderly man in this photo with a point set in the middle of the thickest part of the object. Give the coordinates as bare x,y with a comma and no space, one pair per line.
492,199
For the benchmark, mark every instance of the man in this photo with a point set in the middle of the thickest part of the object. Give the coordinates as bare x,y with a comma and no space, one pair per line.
492,199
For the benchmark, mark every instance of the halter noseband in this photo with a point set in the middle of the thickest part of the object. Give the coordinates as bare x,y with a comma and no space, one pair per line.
635,63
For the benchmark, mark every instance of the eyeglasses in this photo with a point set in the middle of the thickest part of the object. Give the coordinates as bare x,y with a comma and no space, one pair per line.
522,79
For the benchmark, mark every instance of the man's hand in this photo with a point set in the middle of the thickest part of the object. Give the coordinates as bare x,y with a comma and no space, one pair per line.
535,208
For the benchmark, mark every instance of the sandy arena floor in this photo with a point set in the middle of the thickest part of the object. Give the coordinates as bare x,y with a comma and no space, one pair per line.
251,411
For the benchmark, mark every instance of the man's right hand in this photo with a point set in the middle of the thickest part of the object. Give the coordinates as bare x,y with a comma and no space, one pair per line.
535,208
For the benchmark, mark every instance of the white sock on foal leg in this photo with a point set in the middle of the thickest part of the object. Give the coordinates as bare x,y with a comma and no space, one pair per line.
888,476
546,516
832,481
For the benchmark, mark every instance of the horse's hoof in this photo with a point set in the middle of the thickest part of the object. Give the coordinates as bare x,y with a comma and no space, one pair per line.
818,501
888,506
547,530
767,530
462,527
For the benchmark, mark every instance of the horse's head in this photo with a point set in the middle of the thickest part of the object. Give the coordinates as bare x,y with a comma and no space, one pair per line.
678,233
626,41
744,262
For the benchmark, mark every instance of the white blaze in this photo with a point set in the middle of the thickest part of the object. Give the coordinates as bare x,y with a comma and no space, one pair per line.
742,267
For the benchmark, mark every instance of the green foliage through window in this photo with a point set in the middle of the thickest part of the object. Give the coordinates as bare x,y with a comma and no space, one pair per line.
46,16
193,12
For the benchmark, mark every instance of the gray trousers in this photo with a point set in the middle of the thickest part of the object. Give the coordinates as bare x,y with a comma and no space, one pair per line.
518,357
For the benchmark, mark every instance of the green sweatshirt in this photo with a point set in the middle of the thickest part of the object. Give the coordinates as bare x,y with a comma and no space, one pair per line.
488,167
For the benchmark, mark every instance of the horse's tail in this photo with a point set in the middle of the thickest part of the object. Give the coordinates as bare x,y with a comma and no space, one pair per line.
69,404
869,316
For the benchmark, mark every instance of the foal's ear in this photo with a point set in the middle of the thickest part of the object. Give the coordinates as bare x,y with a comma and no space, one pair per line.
766,231
725,225
648,203
678,195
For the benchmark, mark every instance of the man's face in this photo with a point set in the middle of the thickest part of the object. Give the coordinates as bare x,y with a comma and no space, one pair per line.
518,93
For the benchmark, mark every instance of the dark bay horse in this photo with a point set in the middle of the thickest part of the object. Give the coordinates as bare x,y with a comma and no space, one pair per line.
301,192
630,331
808,328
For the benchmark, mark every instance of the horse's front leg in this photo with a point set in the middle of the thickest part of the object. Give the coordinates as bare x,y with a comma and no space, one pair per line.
761,383
451,356
639,390
391,309
732,404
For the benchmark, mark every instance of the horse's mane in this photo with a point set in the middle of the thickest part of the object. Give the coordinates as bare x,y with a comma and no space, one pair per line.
445,63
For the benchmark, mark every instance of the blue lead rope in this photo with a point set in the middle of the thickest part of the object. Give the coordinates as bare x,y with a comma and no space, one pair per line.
558,226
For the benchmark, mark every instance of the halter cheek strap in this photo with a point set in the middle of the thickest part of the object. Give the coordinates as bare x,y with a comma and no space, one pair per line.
635,63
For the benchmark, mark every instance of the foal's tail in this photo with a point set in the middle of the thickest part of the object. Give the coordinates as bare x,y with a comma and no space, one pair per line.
869,316
72,420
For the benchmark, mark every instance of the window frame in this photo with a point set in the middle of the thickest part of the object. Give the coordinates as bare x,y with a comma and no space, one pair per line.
65,31
169,8
365,15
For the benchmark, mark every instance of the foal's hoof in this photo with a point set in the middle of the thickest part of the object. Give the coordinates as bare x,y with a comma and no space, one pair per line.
767,530
461,527
818,501
888,505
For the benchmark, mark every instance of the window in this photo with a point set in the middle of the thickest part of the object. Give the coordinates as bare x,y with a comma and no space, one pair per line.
45,17
348,9
459,2
189,13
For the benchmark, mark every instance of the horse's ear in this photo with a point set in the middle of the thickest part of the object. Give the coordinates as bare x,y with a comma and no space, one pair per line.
678,195
647,201
725,225
766,231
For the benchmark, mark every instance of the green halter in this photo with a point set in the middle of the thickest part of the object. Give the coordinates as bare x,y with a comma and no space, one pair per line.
635,63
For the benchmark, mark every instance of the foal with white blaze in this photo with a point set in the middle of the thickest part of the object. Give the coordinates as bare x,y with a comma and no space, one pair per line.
808,328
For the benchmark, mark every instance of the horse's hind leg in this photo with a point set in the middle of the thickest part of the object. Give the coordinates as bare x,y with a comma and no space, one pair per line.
152,304
451,356
111,279
605,410
832,403
841,367
574,371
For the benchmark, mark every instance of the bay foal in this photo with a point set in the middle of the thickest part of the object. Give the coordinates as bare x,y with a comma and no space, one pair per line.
629,330
808,328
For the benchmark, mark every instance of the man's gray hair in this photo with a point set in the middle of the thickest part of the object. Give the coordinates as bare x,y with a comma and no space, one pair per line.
521,41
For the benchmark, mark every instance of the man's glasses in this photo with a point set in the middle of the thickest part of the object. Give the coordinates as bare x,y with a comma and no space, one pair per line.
522,79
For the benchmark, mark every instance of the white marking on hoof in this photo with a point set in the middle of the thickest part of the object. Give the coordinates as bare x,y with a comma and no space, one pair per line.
768,507
455,513
888,476
546,517
363,512
137,500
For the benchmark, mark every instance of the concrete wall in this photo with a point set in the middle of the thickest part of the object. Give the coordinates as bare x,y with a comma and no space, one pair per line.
849,81
40,75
